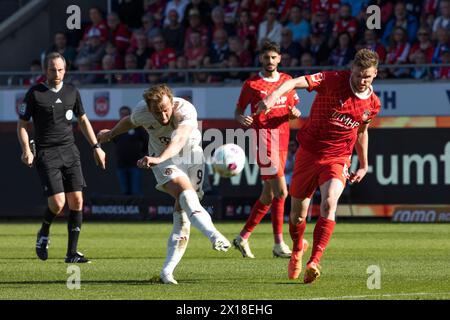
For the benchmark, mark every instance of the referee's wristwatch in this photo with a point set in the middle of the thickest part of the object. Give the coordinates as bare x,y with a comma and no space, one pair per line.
95,146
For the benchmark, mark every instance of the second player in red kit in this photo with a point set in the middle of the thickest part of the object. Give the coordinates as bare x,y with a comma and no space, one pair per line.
272,139
344,105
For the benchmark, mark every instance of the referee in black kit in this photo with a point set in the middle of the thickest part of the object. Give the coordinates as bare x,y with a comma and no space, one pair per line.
52,106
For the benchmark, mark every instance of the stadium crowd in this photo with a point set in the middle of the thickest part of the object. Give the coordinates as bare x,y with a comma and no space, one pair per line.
180,34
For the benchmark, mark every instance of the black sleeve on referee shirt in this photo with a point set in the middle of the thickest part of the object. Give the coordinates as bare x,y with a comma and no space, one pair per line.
26,108
78,109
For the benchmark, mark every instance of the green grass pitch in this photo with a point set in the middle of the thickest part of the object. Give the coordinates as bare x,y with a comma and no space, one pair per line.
414,260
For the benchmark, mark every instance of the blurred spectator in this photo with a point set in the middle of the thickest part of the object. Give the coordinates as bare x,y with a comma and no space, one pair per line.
197,52
344,52
403,20
108,64
179,6
419,72
130,78
156,10
387,9
424,45
442,43
444,72
218,22
118,33
149,27
130,147
230,9
246,31
398,52
84,64
93,49
219,50
162,58
331,7
284,9
357,6
234,76
270,29
320,23
443,20
202,7
111,49
371,42
288,46
319,49
307,60
244,56
414,7
60,45
196,25
300,27
97,22
141,49
256,8
173,33
201,77
181,77
39,77
429,7
286,60
130,12
345,22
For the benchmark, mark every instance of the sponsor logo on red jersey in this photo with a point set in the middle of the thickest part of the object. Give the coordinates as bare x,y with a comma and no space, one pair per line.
344,119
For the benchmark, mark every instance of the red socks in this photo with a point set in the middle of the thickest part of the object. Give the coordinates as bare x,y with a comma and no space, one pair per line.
259,210
297,231
322,234
277,216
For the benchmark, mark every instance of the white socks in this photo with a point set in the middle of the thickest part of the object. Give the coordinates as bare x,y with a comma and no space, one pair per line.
198,216
177,242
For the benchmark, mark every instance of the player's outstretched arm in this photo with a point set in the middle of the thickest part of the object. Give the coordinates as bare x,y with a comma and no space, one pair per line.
22,135
177,142
124,125
86,128
268,102
362,147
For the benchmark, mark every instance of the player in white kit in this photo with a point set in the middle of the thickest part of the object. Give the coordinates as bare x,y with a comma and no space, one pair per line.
176,159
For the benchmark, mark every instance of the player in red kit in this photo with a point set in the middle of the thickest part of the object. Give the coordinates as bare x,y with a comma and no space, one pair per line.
340,115
272,130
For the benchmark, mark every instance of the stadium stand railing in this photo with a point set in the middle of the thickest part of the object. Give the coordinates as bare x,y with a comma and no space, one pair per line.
17,78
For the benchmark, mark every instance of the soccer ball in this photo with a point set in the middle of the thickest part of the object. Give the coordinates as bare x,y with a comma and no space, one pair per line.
228,160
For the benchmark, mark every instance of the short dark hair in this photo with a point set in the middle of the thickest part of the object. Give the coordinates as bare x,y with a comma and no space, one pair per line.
270,46
53,56
125,108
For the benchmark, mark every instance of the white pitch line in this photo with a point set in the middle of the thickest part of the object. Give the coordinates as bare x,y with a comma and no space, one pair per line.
384,295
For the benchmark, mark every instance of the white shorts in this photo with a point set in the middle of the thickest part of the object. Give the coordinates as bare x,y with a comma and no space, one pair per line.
179,166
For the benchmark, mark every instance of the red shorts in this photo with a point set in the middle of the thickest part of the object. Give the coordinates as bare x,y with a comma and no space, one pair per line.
272,166
311,171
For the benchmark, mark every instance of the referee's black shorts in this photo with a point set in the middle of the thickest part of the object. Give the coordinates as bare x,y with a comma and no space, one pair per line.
60,170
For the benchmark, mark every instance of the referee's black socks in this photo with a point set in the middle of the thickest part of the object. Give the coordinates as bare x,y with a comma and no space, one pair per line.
74,228
48,219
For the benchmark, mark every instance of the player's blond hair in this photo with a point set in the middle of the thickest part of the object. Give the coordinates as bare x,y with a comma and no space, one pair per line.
366,58
154,95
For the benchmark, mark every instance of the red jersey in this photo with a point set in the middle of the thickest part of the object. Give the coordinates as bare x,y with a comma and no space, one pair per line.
160,60
257,88
336,114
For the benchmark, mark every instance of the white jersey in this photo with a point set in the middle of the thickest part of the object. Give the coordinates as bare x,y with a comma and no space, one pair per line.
184,113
